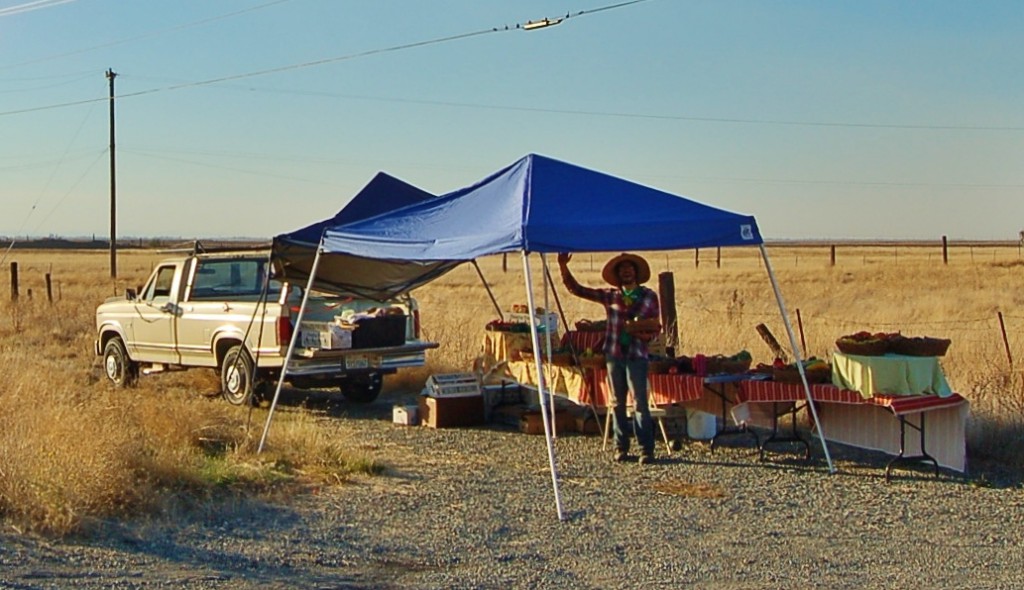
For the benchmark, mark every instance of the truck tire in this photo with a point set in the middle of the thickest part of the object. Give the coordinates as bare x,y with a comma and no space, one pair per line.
237,377
362,389
119,368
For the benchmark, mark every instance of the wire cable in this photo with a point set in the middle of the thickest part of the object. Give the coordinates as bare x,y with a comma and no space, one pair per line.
31,6
142,36
310,64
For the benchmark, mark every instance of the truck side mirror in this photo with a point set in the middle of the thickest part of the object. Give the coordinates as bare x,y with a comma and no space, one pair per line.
130,294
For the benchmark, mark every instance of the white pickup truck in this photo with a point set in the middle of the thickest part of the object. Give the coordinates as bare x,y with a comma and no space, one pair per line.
210,310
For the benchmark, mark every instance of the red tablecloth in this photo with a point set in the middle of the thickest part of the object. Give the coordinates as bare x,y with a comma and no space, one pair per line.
581,341
877,423
772,391
663,390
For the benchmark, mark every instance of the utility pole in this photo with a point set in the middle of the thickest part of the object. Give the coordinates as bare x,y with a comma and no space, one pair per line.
113,183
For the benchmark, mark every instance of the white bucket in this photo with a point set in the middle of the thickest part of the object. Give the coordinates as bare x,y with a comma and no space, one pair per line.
701,425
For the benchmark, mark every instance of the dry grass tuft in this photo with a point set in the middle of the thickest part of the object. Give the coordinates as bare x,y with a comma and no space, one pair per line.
690,490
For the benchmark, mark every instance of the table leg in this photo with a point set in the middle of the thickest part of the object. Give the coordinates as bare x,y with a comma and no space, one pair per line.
901,457
726,429
794,436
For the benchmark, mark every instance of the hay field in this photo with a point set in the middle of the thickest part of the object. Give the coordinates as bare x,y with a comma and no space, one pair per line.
73,449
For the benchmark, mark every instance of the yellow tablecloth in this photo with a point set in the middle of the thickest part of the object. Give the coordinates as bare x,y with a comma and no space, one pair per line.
890,374
569,381
502,346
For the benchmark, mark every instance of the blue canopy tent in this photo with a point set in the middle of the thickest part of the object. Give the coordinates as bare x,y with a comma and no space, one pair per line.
539,204
354,275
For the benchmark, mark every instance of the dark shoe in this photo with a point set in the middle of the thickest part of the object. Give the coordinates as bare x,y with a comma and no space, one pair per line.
647,459
620,456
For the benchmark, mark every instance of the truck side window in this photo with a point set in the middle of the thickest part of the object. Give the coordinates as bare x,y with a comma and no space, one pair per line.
159,289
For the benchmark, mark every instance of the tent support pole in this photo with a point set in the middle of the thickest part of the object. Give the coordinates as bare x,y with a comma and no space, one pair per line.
541,386
572,349
547,332
291,347
799,356
490,293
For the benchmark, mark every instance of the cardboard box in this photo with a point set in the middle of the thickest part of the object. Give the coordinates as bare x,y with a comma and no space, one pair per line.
406,415
587,423
509,415
447,412
533,423
325,336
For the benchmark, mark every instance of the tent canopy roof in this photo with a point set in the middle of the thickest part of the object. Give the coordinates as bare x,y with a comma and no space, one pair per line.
537,204
355,275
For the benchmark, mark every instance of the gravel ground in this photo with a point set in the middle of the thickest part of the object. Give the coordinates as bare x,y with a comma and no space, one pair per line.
474,508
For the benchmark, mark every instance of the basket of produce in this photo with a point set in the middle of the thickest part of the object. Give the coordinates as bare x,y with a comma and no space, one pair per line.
661,366
591,326
643,330
816,370
525,356
737,363
643,326
561,359
920,346
865,343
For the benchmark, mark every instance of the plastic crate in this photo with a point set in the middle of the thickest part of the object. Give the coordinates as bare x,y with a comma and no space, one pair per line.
453,385
547,321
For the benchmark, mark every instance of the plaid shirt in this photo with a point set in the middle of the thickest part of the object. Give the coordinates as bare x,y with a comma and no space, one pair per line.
645,307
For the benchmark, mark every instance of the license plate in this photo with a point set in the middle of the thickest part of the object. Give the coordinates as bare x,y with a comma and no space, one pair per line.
357,361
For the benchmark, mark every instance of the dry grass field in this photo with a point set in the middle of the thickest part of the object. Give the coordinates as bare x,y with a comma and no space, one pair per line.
73,449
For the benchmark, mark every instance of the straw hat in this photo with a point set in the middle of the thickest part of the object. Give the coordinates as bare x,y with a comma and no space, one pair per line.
643,270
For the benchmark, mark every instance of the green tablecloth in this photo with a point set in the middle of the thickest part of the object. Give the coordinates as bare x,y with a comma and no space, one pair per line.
891,374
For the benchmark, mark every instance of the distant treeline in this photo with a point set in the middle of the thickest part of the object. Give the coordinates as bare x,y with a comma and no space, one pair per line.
127,243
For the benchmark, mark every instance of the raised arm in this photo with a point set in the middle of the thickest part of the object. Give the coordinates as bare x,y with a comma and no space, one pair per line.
572,284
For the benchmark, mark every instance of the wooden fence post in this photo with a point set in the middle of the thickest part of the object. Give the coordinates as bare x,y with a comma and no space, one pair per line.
718,257
667,296
800,326
1006,343
49,288
833,254
14,281
696,257
945,250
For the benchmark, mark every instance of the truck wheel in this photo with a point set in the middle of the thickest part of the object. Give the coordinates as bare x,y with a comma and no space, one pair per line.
120,369
362,389
236,377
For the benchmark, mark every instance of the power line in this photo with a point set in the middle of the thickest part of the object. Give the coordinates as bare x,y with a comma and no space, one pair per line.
144,35
576,112
628,115
30,6
309,64
230,168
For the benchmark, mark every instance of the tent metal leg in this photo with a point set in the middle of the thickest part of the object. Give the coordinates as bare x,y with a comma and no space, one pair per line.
291,348
542,386
797,353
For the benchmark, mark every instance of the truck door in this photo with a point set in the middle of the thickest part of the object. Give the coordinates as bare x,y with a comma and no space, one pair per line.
153,333
221,298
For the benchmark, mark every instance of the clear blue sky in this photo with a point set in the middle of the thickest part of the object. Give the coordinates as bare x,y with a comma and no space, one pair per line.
846,119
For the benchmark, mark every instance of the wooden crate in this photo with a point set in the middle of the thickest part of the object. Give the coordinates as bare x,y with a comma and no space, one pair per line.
449,412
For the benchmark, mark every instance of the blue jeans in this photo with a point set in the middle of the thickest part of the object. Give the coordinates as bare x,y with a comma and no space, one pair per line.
631,375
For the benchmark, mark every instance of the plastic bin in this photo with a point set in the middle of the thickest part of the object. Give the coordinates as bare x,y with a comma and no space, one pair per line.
388,330
701,425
